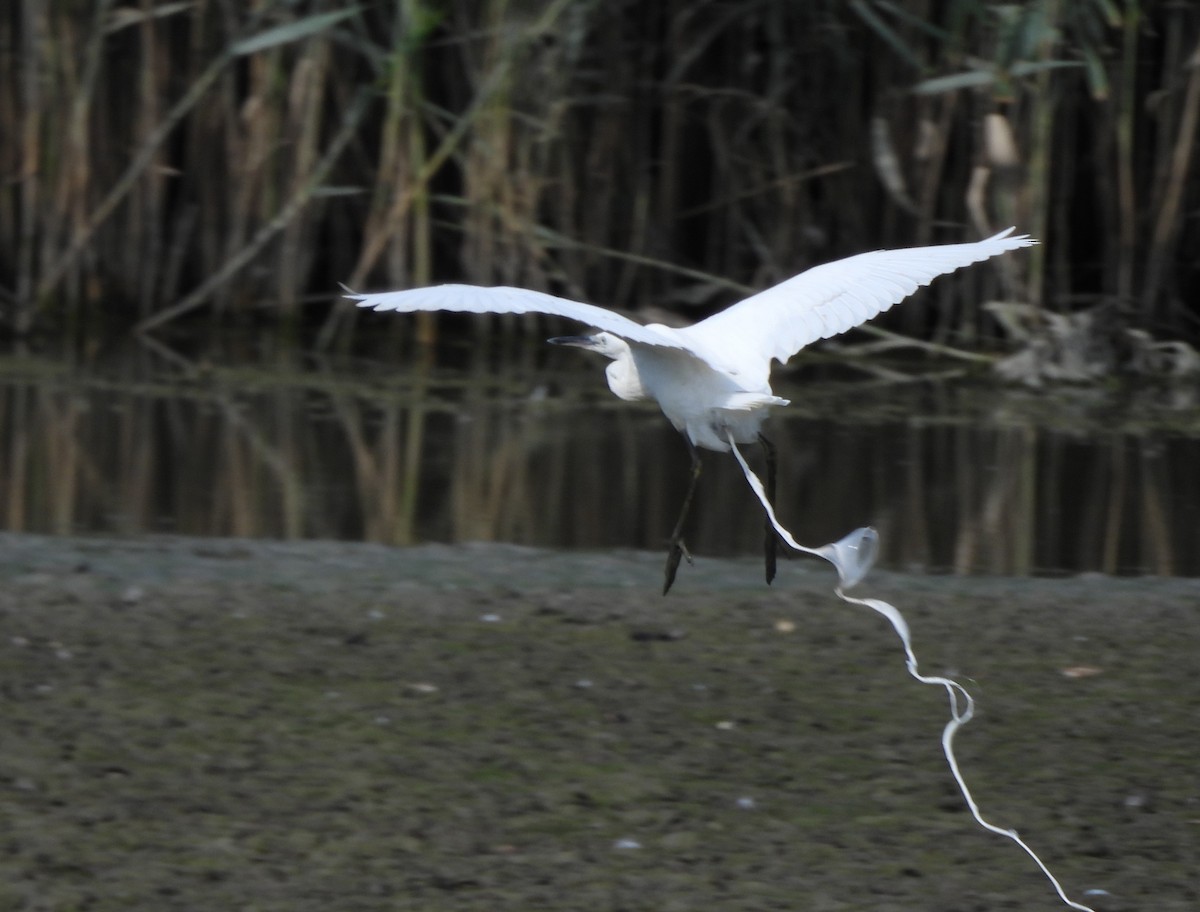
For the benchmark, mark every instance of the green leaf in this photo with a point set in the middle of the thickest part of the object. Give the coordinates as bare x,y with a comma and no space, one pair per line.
291,31
125,16
1097,77
1034,31
970,80
1029,67
1111,14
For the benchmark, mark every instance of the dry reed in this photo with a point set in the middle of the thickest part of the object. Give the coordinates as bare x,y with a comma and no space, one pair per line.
165,158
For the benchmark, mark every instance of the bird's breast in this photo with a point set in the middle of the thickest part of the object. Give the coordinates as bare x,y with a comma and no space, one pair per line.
705,404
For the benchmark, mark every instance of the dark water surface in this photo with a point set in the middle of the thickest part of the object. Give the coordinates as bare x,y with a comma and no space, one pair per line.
529,447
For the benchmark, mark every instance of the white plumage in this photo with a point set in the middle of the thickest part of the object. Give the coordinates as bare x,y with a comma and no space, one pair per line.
712,379
714,376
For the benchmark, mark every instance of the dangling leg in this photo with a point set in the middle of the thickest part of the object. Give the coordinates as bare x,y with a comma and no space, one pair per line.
678,549
771,539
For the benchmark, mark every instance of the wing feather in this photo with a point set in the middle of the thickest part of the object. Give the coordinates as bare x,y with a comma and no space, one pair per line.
830,299
743,339
503,299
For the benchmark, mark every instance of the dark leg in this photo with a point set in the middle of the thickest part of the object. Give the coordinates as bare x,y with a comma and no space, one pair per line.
678,549
771,540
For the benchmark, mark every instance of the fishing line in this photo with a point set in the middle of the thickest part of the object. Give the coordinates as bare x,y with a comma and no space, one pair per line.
853,556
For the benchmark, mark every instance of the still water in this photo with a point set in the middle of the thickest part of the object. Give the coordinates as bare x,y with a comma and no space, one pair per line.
529,447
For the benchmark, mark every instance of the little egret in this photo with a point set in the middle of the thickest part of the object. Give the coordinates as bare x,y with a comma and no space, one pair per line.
712,379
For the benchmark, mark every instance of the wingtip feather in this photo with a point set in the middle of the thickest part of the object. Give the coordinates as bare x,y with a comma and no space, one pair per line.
359,298
1011,242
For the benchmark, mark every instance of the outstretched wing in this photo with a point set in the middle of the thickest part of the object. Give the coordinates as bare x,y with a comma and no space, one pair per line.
502,299
830,299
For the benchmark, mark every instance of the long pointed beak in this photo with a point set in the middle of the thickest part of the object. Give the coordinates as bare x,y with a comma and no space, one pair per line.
577,341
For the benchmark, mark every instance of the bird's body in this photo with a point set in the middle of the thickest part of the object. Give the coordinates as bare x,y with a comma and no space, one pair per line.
712,379
704,404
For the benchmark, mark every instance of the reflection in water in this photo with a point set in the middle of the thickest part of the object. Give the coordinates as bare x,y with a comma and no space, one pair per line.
535,451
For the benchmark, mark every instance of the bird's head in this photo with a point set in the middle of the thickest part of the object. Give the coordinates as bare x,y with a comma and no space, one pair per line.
622,374
603,343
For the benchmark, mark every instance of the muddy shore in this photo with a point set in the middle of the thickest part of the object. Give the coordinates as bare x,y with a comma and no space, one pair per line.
215,725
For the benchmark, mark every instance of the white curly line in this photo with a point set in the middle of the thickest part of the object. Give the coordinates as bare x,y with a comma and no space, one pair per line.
962,706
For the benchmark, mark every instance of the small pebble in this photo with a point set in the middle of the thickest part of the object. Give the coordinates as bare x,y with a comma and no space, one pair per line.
1081,671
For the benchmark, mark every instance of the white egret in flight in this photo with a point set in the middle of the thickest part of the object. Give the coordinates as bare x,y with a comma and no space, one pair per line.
712,379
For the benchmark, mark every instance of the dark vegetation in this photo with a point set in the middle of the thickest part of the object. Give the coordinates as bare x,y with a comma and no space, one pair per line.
165,161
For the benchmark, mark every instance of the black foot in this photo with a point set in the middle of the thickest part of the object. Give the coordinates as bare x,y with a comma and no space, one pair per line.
677,552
